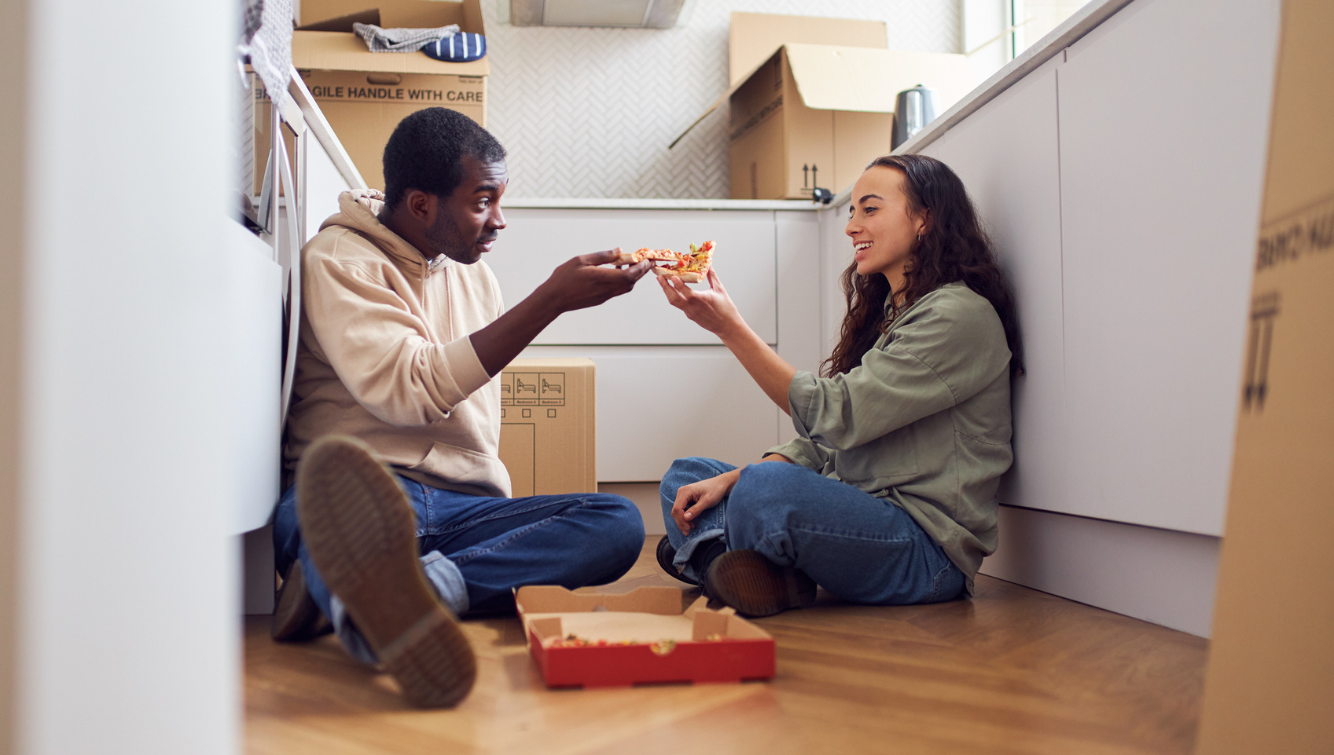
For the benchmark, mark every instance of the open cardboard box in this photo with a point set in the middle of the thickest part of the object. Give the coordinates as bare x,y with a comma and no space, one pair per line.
643,636
808,114
365,94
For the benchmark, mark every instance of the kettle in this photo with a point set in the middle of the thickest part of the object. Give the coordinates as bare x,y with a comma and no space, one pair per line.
914,109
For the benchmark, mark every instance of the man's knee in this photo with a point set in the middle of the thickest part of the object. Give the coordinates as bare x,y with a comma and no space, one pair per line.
623,538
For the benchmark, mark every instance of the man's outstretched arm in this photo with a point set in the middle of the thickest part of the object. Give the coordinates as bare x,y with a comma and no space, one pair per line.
576,284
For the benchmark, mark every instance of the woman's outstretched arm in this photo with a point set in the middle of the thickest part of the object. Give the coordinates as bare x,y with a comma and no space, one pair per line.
714,311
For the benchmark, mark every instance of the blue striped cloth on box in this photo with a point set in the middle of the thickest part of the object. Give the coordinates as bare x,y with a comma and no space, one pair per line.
459,48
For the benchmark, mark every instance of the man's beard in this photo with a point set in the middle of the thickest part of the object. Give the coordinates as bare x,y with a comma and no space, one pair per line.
448,239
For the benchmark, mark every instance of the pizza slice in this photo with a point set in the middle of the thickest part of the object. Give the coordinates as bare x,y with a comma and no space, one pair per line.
654,255
692,267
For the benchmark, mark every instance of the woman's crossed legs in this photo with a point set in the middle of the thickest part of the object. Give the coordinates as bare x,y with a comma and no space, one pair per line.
861,548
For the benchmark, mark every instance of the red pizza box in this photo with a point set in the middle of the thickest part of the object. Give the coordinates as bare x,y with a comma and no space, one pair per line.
640,637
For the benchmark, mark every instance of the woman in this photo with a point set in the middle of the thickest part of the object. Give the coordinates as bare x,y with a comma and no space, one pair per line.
886,498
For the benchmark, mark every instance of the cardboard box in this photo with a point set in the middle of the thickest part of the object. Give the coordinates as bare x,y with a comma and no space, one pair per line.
807,114
365,94
644,636
752,38
808,117
548,437
1271,662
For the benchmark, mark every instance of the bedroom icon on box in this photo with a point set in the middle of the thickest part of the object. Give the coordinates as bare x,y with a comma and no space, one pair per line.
547,435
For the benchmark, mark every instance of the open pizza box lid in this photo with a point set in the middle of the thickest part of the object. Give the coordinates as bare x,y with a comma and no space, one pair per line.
647,635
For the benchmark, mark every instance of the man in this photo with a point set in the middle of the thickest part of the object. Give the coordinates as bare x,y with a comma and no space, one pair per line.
400,518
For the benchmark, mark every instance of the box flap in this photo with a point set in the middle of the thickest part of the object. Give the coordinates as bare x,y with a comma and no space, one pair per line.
338,51
754,37
345,23
834,77
410,14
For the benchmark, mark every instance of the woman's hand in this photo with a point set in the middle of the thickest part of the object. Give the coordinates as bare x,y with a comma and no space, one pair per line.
694,499
712,310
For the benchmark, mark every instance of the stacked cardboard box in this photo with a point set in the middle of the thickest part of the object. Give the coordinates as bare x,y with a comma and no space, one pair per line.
365,94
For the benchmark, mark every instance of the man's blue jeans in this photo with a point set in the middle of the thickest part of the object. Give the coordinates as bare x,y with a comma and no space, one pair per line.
475,549
861,548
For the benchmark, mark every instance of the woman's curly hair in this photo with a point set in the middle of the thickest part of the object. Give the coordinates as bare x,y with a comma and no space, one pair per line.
954,248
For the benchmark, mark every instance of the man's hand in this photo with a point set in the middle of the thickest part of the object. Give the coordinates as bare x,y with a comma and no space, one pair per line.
581,283
576,284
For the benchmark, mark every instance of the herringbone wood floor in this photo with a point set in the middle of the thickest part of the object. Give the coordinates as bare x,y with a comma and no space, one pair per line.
1010,671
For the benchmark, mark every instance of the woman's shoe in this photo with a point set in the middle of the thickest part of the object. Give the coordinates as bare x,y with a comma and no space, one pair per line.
666,555
360,533
756,586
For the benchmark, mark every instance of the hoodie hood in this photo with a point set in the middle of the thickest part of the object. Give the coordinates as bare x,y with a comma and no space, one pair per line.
358,211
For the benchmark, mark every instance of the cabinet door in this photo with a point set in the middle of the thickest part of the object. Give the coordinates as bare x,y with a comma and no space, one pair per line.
658,404
536,241
1006,155
1164,113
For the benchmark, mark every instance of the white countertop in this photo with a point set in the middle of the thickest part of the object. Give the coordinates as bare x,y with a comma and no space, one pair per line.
592,203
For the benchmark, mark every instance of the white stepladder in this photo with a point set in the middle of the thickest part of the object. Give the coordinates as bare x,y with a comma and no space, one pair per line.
285,233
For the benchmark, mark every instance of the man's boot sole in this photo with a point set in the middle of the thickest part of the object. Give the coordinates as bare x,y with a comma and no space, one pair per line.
755,586
360,532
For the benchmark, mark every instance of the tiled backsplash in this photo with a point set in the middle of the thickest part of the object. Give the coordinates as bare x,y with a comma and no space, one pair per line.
590,112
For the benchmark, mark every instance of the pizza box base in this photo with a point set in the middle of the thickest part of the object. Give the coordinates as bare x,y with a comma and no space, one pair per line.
670,644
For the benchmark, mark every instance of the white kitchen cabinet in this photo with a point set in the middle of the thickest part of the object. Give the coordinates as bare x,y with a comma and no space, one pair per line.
798,261
1006,154
1163,125
657,404
537,240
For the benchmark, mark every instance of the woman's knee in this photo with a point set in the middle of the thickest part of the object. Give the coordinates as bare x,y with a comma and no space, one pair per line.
763,500
683,472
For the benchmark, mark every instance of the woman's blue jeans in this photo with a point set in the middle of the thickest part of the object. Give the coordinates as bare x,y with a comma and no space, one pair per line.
476,549
861,548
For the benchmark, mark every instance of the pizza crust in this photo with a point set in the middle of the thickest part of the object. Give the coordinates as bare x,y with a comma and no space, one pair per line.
687,277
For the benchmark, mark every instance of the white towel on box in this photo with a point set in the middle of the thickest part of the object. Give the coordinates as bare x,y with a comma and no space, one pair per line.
401,40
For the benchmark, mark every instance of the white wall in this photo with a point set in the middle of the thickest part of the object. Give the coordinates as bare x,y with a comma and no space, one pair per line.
127,636
590,112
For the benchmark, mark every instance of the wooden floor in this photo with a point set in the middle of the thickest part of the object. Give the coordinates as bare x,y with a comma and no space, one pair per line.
1010,671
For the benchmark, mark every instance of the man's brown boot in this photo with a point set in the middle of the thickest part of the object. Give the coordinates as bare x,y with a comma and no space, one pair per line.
296,617
359,530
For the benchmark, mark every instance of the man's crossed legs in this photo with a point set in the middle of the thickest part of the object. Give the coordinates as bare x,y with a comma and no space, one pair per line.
366,538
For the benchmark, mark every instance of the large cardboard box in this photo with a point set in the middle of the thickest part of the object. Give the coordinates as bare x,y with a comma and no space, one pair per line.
643,636
753,37
365,94
548,438
805,113
815,115
1270,683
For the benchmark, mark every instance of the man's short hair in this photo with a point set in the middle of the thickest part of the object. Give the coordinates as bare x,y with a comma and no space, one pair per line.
426,149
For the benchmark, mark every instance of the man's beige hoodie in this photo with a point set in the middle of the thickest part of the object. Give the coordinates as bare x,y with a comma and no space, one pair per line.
384,354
